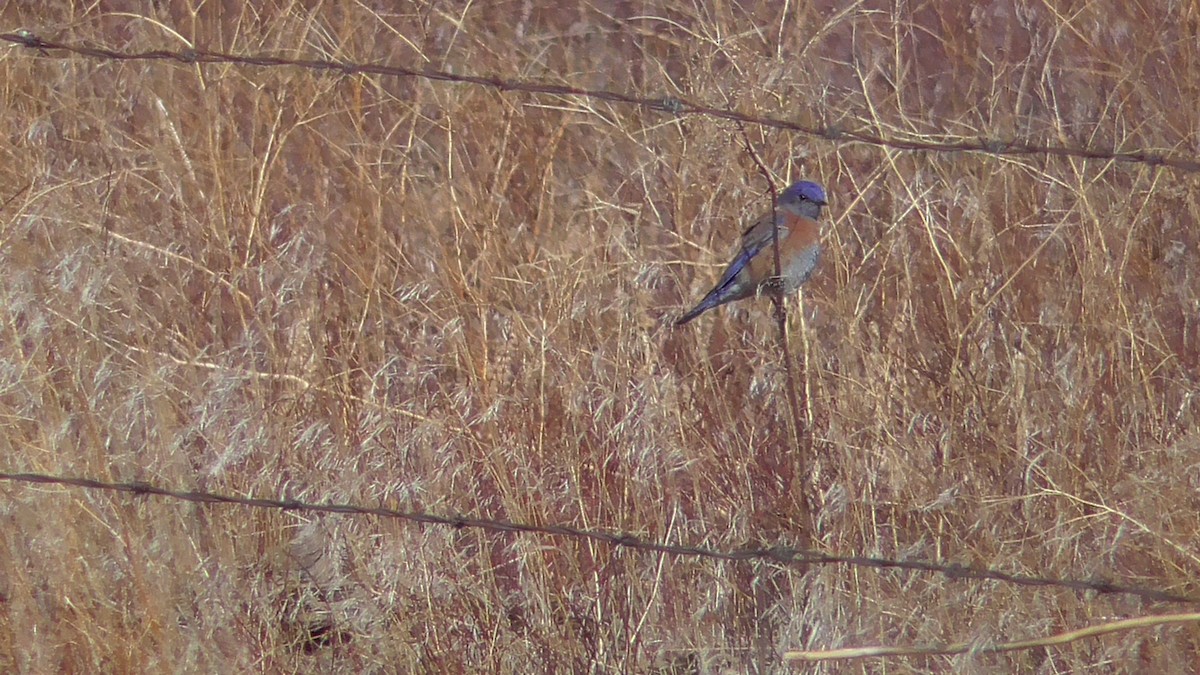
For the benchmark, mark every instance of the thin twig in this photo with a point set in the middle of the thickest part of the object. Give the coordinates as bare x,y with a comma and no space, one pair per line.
781,319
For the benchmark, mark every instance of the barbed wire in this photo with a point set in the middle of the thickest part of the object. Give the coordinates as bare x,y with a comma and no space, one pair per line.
778,554
668,104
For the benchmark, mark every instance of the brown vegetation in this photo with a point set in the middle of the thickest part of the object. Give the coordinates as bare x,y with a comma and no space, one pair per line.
291,283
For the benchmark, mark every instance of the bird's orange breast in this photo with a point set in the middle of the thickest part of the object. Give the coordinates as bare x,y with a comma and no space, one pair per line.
798,236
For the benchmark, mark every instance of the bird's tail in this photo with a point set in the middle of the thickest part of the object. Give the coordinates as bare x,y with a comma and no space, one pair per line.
711,300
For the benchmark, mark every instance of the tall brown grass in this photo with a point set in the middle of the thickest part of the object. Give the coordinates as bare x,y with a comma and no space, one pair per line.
283,282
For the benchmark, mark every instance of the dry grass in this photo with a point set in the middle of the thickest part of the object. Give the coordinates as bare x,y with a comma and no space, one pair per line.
997,360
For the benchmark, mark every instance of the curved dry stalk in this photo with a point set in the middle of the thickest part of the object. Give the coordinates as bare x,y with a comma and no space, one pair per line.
964,647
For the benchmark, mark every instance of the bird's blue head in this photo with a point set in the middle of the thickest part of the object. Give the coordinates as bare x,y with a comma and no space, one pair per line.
804,191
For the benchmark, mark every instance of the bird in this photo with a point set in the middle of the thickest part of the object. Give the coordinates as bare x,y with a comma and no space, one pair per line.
752,270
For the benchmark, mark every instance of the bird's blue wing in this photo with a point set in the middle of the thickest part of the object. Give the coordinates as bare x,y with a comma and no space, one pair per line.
754,240
739,263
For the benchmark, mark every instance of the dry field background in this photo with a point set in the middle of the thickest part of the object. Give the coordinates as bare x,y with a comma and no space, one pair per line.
446,298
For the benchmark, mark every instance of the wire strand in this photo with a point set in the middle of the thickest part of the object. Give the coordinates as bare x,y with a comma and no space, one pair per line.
668,104
778,554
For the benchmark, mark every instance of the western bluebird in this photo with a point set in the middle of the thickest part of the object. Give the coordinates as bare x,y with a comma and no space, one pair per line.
753,269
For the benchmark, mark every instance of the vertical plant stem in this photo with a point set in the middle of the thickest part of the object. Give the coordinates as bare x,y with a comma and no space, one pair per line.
799,449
